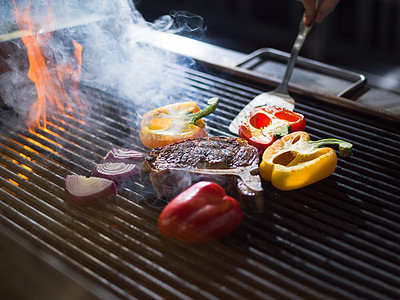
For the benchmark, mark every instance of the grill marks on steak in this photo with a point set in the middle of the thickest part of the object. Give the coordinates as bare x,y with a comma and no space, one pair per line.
230,162
205,153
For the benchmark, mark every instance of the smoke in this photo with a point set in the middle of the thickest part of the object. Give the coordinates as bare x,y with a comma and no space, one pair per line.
117,54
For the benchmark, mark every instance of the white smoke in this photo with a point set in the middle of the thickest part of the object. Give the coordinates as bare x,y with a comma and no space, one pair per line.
115,58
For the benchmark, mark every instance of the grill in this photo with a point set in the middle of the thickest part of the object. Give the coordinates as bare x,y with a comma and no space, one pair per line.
335,239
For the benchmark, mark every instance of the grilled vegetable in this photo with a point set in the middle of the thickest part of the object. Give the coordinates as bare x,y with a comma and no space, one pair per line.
266,124
202,213
117,171
84,191
124,155
174,122
294,161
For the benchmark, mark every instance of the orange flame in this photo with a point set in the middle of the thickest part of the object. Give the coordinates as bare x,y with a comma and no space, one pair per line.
52,78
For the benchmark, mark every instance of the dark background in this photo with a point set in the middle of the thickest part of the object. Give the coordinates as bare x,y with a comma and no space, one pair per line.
360,35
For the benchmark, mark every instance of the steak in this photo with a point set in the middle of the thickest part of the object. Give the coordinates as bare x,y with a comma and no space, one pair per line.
230,162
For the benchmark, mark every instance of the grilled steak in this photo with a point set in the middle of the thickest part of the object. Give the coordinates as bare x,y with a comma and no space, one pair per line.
230,162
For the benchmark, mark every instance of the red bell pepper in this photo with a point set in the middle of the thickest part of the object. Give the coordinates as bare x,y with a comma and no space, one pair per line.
201,213
266,124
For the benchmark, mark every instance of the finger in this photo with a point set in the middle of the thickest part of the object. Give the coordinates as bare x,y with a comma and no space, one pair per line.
309,11
325,9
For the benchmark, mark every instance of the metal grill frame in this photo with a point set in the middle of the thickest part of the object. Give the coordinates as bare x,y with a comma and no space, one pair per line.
335,239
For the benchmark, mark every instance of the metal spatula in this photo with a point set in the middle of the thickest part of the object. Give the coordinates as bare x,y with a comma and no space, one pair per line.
278,97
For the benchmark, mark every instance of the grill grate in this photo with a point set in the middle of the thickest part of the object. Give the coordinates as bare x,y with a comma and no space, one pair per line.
335,239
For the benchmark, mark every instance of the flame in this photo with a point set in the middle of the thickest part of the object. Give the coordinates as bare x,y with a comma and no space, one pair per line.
23,176
13,182
41,145
56,126
56,81
29,149
22,165
44,137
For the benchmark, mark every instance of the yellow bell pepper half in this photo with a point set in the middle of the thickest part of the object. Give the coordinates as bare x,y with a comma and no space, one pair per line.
174,122
294,161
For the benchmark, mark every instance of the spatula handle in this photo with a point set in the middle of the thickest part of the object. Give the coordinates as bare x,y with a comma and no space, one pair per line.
298,43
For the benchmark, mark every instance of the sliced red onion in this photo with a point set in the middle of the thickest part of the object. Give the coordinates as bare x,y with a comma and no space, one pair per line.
85,191
124,155
116,171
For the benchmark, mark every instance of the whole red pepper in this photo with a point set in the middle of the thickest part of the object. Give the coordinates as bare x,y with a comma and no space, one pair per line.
265,124
201,213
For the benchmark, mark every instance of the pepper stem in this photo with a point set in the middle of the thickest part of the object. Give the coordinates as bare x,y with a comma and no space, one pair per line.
345,148
212,105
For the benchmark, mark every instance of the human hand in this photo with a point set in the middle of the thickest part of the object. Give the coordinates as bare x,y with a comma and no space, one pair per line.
324,9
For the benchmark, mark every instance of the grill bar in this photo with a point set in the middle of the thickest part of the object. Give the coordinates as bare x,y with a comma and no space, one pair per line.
335,239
